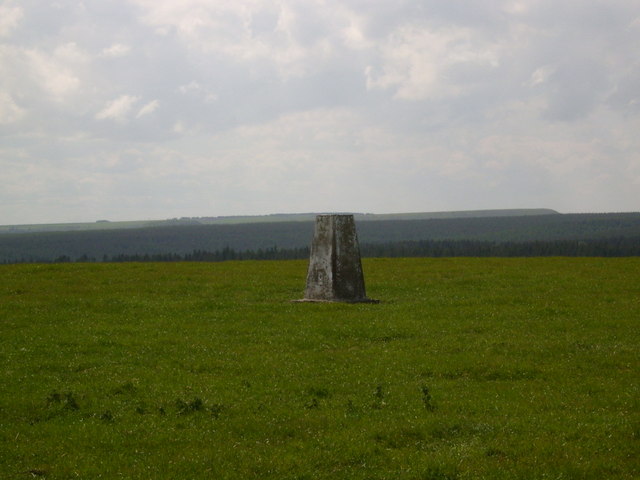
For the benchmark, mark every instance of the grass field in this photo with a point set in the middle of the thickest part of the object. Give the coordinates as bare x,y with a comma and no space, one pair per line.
468,368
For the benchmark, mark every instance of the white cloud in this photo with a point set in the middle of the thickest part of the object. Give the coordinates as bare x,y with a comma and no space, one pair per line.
148,109
196,88
354,32
190,87
59,72
47,81
416,61
10,112
9,19
541,75
116,50
118,109
71,54
179,127
296,38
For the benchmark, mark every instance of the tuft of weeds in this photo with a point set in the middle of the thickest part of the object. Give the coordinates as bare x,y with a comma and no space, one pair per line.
312,404
351,410
318,392
378,398
67,400
439,473
405,437
57,404
127,388
427,400
54,398
494,452
37,472
215,410
107,416
197,406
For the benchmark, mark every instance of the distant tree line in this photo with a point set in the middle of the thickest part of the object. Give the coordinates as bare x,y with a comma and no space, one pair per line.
610,234
608,247
227,253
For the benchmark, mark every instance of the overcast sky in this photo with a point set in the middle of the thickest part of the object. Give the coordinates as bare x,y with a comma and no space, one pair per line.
151,109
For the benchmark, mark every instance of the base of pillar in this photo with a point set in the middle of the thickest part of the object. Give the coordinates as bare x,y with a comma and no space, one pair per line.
337,300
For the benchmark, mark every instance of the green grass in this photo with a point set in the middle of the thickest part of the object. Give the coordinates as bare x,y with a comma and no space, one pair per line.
468,368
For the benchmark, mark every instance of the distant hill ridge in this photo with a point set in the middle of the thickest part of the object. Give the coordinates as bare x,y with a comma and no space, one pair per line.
305,217
613,234
271,218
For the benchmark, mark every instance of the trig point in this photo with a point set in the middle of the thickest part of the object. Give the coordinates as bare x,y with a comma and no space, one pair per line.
335,269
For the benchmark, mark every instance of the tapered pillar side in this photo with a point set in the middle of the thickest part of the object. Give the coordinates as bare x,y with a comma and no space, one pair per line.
320,274
349,279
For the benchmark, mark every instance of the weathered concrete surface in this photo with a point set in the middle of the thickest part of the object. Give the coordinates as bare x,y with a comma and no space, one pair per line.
335,270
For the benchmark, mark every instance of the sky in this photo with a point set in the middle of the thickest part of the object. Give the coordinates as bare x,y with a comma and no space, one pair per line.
154,109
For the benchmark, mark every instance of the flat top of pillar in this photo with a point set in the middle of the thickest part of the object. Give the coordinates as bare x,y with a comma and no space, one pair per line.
334,215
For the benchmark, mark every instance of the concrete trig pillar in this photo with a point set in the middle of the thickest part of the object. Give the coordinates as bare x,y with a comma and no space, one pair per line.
335,269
